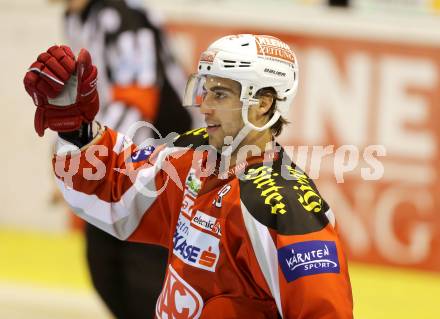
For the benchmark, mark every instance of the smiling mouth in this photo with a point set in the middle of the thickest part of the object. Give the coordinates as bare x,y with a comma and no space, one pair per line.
212,127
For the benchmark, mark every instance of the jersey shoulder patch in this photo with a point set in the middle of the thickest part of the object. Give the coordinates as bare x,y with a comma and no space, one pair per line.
193,138
283,198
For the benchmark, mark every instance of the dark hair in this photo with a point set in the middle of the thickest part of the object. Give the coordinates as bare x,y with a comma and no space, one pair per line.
278,126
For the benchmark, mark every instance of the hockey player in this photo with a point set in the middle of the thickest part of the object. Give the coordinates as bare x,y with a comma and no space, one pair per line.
249,235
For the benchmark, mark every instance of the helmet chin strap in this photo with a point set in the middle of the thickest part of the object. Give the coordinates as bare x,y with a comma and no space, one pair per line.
246,129
235,141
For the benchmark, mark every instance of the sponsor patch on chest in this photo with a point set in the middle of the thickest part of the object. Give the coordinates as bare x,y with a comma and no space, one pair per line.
195,247
206,222
193,183
308,258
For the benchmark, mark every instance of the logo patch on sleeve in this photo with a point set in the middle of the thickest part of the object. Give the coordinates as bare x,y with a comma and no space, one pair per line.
308,258
142,154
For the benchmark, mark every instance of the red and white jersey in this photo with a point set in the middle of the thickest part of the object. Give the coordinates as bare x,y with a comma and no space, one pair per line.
255,242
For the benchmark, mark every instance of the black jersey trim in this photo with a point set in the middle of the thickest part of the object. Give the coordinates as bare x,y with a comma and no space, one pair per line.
193,138
282,197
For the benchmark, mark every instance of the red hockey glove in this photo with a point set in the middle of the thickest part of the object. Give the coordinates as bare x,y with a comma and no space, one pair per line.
63,90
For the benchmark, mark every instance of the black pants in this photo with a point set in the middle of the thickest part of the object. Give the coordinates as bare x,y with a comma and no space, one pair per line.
127,276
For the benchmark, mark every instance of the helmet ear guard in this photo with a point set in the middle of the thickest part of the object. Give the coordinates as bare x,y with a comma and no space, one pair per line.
249,102
244,114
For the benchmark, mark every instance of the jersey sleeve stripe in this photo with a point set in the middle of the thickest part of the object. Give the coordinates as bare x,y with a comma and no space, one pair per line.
121,143
266,253
331,217
119,218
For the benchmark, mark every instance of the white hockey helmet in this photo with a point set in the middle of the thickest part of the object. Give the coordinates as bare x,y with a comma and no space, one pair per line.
256,62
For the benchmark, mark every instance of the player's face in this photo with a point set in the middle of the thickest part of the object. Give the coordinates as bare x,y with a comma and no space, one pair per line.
221,107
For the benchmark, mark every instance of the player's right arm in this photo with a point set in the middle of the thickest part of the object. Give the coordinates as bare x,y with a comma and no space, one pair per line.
101,175
117,188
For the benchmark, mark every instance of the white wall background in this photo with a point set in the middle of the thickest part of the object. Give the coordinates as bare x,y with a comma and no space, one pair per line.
26,28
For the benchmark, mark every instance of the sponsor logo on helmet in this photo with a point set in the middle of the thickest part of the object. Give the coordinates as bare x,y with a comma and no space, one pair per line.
273,47
278,73
178,299
308,258
208,56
